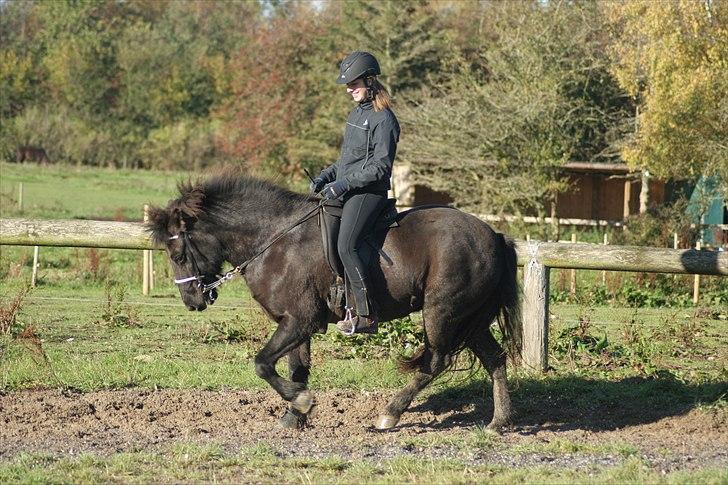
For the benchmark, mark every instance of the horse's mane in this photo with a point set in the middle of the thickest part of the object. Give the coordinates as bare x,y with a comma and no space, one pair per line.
225,199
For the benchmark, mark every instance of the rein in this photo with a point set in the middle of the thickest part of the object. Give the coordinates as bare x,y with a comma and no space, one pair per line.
206,288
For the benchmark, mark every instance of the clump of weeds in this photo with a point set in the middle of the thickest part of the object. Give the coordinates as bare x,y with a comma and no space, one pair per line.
401,337
14,331
577,345
9,313
116,311
93,264
639,349
253,330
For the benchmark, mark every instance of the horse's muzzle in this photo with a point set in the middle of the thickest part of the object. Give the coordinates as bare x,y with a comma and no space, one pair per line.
210,296
198,308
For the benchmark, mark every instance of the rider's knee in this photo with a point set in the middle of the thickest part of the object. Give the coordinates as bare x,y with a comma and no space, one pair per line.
345,248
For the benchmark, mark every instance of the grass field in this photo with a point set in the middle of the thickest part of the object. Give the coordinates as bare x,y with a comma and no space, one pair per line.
626,381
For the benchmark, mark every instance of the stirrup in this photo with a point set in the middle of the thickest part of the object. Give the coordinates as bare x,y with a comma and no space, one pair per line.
348,318
350,324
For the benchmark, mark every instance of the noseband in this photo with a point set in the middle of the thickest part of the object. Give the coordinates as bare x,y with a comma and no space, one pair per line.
207,292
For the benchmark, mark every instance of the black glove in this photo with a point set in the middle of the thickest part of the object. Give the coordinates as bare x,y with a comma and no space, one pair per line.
316,185
335,190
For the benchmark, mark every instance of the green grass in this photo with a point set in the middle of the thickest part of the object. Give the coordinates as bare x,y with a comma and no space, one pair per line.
63,192
567,447
263,464
96,331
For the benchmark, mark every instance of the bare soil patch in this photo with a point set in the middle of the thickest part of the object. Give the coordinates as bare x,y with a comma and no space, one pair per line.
105,422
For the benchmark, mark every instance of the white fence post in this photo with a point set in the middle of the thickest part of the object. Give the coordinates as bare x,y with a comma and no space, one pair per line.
145,259
696,282
34,276
572,275
604,273
535,312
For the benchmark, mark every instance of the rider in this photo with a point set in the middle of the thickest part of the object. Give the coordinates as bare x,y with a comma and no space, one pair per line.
360,177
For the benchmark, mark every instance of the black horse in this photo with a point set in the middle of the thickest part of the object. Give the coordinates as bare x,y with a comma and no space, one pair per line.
449,264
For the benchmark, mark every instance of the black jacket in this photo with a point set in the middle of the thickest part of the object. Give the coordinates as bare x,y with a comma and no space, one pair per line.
367,154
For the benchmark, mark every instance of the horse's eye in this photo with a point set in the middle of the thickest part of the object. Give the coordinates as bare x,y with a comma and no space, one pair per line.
179,258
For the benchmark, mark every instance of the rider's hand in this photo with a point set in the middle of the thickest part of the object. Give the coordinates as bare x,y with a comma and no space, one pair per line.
316,185
335,190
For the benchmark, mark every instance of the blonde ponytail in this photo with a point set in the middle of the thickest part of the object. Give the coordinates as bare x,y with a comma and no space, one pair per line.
380,96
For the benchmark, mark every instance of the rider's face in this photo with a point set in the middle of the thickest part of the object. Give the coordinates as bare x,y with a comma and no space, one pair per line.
357,89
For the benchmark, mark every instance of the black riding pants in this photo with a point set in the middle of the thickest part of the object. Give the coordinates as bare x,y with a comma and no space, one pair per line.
357,220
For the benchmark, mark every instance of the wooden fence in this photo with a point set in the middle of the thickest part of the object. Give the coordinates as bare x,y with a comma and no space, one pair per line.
536,257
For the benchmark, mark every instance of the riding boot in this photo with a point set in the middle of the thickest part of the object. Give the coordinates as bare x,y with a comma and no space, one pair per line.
352,324
366,319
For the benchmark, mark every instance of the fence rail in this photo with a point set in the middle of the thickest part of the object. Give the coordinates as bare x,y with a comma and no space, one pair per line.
537,258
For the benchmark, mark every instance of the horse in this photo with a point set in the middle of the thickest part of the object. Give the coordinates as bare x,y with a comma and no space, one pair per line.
449,265
32,154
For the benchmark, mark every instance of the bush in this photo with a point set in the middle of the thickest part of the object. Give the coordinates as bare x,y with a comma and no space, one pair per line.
657,226
187,143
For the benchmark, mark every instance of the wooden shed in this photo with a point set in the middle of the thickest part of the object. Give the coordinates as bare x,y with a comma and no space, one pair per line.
604,191
597,191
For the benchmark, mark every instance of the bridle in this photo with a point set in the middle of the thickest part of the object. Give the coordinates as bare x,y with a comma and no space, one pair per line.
208,290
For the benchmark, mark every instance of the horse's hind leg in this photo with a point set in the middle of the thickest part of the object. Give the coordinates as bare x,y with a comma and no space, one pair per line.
430,363
493,358
299,367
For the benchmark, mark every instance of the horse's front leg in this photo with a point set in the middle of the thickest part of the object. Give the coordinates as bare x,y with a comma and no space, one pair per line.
287,337
299,367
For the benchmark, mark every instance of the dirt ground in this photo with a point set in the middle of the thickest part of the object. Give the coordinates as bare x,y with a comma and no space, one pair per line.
68,423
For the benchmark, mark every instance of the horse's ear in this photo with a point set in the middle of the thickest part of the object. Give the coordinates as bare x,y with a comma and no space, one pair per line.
192,199
177,221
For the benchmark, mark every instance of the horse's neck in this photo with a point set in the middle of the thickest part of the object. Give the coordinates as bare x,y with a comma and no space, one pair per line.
253,232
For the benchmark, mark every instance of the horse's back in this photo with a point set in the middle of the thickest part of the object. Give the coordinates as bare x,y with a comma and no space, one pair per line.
443,228
443,247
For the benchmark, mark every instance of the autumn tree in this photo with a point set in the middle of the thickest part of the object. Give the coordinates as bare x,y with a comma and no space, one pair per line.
537,95
672,58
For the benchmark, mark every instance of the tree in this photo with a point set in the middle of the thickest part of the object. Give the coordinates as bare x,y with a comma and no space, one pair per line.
672,58
537,95
406,37
284,97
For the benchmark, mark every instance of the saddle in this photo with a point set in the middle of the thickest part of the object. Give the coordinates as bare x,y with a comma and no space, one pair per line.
370,246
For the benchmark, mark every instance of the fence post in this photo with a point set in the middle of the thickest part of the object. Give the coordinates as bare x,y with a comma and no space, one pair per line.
20,196
696,283
535,311
151,269
34,276
572,286
604,272
145,259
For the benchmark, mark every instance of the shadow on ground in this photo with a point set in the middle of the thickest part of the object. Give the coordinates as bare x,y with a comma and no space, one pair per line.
569,403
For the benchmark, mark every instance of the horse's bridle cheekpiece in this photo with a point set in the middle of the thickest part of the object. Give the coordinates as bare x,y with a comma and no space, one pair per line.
208,291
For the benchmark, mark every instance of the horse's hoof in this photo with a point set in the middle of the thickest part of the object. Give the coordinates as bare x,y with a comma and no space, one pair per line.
292,420
386,421
303,402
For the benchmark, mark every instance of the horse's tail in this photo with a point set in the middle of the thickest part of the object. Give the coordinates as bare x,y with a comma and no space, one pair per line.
509,316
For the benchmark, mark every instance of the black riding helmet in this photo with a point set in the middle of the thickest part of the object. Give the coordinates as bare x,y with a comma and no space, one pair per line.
357,64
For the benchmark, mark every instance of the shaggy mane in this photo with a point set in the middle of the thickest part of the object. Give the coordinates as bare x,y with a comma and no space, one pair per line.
224,198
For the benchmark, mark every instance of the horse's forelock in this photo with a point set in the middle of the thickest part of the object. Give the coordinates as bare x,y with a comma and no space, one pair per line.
158,224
